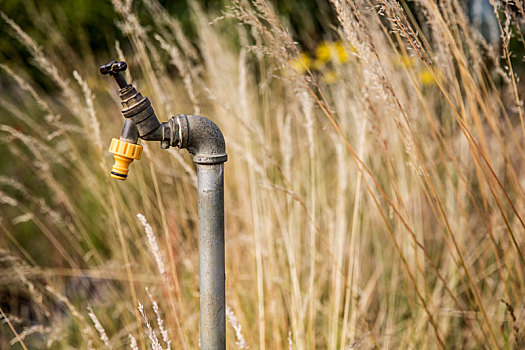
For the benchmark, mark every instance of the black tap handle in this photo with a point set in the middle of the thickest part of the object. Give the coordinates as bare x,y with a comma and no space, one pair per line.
114,68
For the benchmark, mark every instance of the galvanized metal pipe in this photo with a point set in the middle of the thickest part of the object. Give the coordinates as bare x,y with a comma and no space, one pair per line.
211,256
205,141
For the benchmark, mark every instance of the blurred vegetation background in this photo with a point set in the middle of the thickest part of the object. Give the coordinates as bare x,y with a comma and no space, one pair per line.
316,258
89,25
87,29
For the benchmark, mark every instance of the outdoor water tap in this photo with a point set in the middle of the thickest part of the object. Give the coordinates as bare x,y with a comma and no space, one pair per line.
141,122
204,140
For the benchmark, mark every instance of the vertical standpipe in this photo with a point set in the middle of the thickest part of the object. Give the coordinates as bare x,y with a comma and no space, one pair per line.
202,138
211,255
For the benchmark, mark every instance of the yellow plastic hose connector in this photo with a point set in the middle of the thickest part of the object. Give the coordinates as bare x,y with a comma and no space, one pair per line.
124,153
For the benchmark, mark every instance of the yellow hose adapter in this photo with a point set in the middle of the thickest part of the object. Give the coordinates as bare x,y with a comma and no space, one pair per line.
124,153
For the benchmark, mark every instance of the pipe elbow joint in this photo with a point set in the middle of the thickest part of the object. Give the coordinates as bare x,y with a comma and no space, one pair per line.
202,138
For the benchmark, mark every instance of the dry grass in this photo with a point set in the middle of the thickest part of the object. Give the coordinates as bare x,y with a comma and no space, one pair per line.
376,211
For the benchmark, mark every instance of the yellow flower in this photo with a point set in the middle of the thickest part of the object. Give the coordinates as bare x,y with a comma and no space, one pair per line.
342,54
326,52
322,52
426,77
301,63
331,51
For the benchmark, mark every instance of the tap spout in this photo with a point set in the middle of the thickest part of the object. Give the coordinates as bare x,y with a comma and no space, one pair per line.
129,132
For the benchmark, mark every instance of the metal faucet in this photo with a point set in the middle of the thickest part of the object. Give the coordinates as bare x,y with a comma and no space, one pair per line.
204,140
